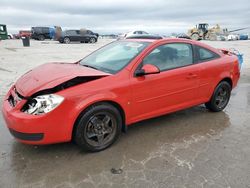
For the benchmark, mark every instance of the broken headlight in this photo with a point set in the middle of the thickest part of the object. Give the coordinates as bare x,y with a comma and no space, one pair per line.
42,104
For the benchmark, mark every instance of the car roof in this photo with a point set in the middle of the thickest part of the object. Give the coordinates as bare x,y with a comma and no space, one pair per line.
36,27
173,40
140,40
160,40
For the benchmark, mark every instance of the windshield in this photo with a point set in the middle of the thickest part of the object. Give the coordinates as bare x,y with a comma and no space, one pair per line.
114,57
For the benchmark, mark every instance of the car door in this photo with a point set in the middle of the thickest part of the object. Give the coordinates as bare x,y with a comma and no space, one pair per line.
175,87
45,32
79,36
73,36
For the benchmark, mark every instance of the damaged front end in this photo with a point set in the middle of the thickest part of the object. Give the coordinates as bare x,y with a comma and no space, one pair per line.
46,100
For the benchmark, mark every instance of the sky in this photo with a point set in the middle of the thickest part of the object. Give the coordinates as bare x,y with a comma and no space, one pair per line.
119,16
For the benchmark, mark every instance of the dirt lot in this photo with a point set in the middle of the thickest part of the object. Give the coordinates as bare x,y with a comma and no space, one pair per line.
191,148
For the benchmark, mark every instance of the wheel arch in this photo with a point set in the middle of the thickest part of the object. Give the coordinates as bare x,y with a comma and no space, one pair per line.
216,83
227,79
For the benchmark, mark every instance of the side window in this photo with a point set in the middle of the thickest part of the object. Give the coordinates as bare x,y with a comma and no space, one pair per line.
71,32
38,30
205,54
45,30
170,56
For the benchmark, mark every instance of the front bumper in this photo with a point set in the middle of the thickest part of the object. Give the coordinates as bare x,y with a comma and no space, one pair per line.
53,127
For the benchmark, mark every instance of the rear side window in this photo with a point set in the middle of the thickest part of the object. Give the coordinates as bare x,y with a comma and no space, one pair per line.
37,29
170,56
89,32
205,54
71,32
45,30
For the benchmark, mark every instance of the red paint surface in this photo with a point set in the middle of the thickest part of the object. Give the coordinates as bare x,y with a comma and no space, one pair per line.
140,97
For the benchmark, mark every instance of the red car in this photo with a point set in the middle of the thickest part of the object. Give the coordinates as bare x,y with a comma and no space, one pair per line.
94,99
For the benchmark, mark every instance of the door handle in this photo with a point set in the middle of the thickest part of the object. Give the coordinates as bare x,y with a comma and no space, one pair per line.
191,75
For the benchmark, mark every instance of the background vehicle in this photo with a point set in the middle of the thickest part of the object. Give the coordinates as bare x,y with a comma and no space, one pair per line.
243,37
3,32
131,33
40,33
77,36
89,32
10,36
233,37
183,36
203,32
144,36
24,33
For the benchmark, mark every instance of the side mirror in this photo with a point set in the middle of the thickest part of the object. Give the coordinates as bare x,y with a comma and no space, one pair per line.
147,69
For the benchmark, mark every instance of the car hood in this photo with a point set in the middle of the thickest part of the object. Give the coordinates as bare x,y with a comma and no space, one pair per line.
51,75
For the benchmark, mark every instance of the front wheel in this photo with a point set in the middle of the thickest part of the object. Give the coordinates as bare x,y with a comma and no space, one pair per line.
220,97
195,36
98,127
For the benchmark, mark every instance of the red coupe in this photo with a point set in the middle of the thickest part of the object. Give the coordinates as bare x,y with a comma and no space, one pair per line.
93,100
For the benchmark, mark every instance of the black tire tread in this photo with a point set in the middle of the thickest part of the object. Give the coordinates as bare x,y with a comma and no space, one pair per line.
77,134
210,104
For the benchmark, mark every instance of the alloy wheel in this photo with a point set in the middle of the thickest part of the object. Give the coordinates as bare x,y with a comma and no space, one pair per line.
92,40
100,129
222,97
67,40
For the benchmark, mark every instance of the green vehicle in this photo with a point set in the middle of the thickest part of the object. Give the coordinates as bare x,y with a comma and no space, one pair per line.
3,32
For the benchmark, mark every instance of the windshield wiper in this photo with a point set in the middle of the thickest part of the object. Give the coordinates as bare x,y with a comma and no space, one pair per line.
90,67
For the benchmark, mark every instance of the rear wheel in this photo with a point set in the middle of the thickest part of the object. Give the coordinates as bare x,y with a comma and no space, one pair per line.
92,40
220,97
98,127
41,37
66,40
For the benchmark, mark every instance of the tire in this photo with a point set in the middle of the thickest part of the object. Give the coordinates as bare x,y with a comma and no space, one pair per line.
92,40
195,36
66,40
220,97
41,37
98,127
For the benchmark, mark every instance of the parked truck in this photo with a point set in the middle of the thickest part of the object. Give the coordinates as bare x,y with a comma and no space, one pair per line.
3,32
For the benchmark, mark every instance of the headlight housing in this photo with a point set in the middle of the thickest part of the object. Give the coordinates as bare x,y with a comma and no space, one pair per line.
42,104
